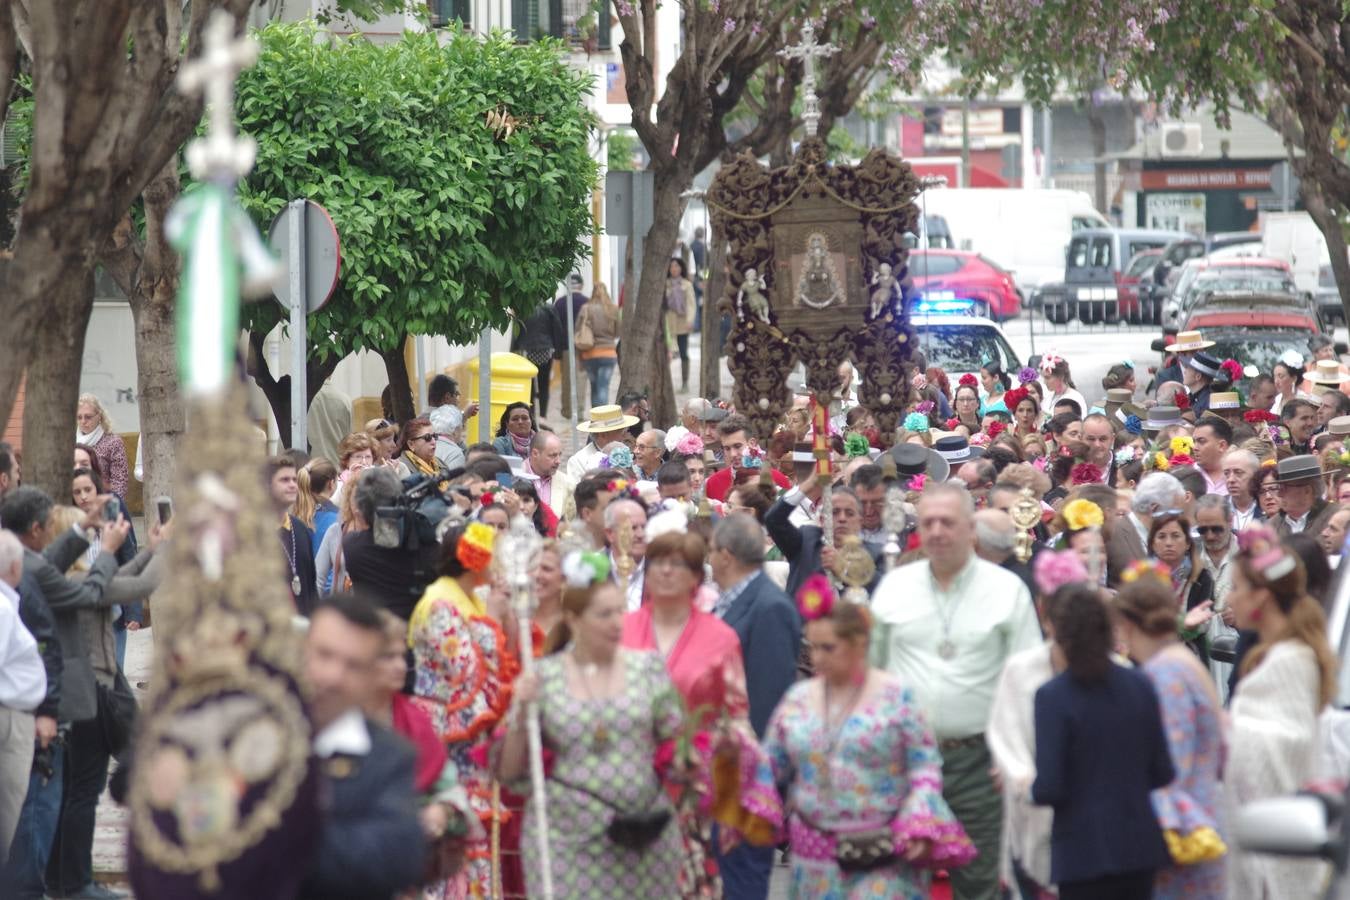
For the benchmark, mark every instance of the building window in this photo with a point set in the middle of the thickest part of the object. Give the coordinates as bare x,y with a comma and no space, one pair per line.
443,12
582,23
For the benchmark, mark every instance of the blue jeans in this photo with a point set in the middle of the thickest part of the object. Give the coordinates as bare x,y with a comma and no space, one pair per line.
24,874
746,871
599,371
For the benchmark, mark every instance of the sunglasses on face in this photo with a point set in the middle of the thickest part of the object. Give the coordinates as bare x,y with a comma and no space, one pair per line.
423,437
1211,529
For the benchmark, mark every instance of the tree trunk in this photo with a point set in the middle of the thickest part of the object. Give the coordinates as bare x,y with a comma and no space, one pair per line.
1330,225
278,390
53,386
1097,127
646,361
710,379
400,385
163,418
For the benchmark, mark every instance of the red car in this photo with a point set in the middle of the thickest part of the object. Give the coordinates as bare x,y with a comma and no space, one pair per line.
940,275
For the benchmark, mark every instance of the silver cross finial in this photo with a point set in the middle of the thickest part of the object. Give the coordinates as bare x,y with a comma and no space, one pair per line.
808,51
221,153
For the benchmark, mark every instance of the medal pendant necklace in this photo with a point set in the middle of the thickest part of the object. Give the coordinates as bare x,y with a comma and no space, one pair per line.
946,613
834,731
295,574
587,671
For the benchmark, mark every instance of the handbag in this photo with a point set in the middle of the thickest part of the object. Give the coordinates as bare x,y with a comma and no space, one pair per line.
863,851
116,714
584,338
632,831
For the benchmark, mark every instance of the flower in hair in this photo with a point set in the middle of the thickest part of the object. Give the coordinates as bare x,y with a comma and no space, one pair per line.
925,406
618,458
917,482
1134,425
1277,435
979,439
581,570
855,445
690,445
968,380
1182,401
951,424
1085,473
1257,416
1080,514
1026,375
815,598
1050,360
1233,368
474,550
1126,455
617,486
1054,569
1142,568
1013,398
916,422
1160,462
488,498
1181,444
995,429
1182,459
751,460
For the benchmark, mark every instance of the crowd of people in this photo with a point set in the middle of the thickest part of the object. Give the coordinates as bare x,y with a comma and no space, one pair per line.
1029,645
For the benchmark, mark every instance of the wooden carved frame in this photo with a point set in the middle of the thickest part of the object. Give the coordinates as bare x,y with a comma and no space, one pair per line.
775,222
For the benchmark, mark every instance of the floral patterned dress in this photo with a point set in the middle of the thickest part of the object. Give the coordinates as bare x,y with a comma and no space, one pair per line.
1191,801
604,748
881,768
462,680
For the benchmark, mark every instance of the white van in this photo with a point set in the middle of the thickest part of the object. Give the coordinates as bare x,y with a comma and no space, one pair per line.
1295,238
1025,231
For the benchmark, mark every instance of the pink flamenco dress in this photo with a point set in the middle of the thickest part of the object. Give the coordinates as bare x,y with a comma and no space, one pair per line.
463,673
880,770
716,772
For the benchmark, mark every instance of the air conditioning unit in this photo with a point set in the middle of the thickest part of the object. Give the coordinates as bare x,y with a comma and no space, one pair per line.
1181,139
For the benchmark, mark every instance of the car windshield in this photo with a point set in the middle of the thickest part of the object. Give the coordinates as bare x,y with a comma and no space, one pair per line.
1141,263
1270,281
1090,251
922,265
964,348
1259,348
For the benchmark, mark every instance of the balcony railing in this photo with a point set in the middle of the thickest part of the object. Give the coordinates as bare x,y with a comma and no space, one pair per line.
581,23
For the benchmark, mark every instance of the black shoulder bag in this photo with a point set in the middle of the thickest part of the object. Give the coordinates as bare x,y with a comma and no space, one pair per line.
632,831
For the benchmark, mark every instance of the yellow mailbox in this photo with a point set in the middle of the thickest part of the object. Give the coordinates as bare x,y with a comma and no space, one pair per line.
509,382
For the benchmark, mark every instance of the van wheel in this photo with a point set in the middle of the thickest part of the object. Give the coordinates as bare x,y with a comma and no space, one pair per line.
1057,313
1088,313
1111,313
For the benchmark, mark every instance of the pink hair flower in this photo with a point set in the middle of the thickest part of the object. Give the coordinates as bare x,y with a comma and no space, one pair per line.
690,445
1052,570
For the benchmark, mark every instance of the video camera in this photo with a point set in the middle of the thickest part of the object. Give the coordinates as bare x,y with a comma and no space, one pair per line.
413,521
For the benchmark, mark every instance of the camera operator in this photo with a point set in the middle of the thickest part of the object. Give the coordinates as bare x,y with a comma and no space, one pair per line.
395,576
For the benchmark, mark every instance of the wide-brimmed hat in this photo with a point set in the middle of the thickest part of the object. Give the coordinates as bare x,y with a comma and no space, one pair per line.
1225,400
1117,397
713,413
1339,426
1304,467
803,453
1204,364
576,280
607,418
956,448
1189,340
916,459
1160,417
1327,371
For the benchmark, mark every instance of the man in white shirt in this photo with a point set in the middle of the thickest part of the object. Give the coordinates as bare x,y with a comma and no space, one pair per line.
606,425
1238,468
621,510
23,685
945,626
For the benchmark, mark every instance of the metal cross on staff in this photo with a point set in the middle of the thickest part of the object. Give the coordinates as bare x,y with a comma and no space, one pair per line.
807,51
222,153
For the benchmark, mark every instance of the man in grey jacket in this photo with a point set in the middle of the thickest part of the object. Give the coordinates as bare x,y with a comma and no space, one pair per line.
27,512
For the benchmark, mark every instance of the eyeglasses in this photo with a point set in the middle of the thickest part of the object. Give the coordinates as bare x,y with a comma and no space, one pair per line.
1270,489
1211,529
423,437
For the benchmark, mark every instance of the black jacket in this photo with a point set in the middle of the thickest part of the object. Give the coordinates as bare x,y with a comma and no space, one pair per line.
37,618
801,547
303,563
370,843
541,330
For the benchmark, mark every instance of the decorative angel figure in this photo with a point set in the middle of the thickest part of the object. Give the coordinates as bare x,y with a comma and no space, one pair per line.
750,300
887,288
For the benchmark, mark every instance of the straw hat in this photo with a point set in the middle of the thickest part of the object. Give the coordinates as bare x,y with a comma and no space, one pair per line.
1327,371
1225,400
607,418
1189,340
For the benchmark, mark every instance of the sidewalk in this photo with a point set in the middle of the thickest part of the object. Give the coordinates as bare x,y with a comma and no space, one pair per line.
110,827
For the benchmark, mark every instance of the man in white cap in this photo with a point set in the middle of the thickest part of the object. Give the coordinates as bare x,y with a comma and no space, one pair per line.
607,424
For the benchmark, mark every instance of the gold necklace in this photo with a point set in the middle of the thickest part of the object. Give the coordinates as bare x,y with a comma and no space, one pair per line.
586,671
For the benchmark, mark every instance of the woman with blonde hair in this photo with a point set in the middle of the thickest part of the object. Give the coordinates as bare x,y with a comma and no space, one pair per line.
1288,678
601,313
94,429
314,504
387,437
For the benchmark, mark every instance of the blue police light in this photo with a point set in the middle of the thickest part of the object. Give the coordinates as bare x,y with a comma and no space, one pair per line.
945,306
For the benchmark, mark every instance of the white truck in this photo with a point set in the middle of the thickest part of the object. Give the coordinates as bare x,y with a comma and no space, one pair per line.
1025,231
1295,238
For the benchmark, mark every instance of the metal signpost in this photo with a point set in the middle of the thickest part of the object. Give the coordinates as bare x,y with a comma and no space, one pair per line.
304,236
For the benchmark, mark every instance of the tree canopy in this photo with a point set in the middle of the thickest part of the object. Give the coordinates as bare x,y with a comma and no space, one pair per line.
458,176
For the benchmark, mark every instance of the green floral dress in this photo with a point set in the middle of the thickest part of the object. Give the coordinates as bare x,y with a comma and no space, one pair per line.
605,747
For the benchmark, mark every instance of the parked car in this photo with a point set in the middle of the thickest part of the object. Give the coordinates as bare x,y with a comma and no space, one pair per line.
1209,276
961,275
1261,347
1165,273
1256,311
958,341
1095,267
1136,288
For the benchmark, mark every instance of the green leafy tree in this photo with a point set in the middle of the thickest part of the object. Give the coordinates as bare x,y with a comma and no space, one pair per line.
458,177
1287,60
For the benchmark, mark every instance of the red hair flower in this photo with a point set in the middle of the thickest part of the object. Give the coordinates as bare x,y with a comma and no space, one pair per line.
1257,416
1182,400
968,380
995,429
951,423
1085,473
1182,459
488,498
815,598
1013,398
1233,368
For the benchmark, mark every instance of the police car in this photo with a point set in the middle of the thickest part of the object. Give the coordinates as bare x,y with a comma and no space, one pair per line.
957,340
